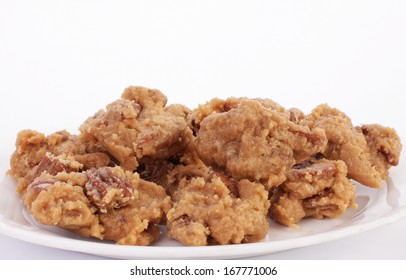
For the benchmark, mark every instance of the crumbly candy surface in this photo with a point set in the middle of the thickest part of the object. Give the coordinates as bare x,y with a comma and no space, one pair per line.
217,105
50,164
106,203
214,175
136,224
315,189
368,151
206,212
256,143
137,128
60,201
31,147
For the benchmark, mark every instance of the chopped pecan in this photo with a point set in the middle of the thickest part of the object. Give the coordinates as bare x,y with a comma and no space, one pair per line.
322,170
295,115
390,158
364,130
228,106
303,164
137,107
101,181
53,165
382,140
314,201
40,185
124,109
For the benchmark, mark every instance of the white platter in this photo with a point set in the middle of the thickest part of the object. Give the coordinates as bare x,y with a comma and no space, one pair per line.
377,207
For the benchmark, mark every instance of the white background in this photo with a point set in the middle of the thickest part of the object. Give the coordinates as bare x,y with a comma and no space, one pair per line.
61,61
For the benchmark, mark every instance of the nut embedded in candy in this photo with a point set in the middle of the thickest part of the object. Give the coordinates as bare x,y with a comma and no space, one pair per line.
106,187
212,175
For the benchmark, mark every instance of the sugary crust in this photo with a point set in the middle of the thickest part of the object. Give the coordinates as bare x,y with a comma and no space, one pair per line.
31,147
136,224
362,149
256,143
314,188
111,204
212,175
206,212
138,128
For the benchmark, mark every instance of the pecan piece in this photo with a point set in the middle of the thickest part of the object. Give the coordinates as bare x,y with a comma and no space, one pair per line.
314,188
384,145
55,164
227,106
304,164
322,170
389,157
105,189
40,185
295,115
